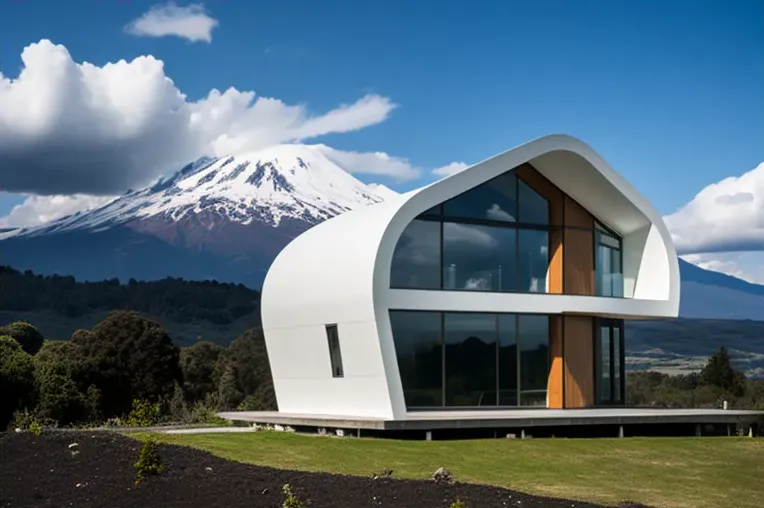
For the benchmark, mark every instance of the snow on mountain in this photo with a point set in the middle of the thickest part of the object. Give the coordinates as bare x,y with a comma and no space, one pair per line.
282,182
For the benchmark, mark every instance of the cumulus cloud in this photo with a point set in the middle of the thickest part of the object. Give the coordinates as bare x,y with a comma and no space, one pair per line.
727,216
450,169
37,210
190,22
77,128
371,163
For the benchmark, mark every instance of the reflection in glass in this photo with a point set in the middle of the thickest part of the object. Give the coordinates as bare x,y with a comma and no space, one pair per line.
533,208
533,260
604,364
416,260
608,262
478,258
417,338
616,364
507,360
470,367
534,358
493,200
480,355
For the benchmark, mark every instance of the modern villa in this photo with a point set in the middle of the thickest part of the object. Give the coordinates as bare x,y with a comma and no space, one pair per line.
497,293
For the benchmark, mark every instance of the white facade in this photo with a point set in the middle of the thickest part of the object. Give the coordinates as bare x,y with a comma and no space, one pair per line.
339,273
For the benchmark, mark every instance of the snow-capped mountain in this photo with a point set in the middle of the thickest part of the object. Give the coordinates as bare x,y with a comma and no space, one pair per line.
283,182
224,218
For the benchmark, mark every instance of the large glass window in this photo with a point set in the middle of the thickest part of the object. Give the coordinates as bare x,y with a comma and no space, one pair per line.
496,237
478,258
495,200
470,366
608,263
608,359
418,346
533,260
533,332
462,359
416,260
533,208
508,364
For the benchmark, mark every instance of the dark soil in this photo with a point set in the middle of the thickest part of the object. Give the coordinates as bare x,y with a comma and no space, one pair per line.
42,471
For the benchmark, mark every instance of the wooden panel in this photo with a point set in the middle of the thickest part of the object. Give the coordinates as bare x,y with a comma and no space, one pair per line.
555,273
554,383
555,197
579,361
576,215
578,269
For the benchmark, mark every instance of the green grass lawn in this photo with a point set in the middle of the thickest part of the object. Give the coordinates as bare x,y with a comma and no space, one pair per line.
665,472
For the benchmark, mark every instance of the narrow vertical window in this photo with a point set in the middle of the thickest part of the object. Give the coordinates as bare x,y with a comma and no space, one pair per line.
335,356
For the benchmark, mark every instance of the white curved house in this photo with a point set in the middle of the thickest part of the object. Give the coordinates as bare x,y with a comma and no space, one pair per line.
503,286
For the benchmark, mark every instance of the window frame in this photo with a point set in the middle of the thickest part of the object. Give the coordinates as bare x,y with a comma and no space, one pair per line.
515,318
438,214
335,352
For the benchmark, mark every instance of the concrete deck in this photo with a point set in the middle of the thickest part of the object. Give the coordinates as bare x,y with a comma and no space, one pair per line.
514,418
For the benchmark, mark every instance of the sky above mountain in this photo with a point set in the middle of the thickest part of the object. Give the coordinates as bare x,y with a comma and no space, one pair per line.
100,96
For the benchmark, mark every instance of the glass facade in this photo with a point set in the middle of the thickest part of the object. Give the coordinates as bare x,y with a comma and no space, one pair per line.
608,263
461,359
419,347
496,237
416,261
609,362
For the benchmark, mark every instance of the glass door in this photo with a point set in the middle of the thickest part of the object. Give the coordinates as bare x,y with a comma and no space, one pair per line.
609,362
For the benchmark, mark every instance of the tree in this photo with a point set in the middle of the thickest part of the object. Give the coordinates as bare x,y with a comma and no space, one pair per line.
61,376
25,334
16,379
61,400
127,357
247,360
197,363
719,372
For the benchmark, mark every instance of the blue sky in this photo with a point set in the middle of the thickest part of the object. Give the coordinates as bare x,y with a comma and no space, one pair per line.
669,92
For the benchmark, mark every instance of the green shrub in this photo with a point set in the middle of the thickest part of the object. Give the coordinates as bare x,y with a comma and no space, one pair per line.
144,414
290,499
25,334
149,463
35,428
458,504
17,383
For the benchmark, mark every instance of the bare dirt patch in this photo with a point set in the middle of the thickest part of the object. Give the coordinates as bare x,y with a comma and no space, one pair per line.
45,471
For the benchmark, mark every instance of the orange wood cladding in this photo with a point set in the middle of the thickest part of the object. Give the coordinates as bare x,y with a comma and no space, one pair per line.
578,269
555,197
571,266
578,361
555,383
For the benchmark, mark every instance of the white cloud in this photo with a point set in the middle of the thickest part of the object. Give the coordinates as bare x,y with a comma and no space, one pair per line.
190,22
748,266
450,169
727,216
37,210
371,163
71,128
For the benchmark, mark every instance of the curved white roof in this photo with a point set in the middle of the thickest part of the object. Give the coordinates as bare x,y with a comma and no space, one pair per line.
339,270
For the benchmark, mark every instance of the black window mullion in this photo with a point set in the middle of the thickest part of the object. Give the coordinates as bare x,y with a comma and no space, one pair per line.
498,352
443,359
442,268
517,357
